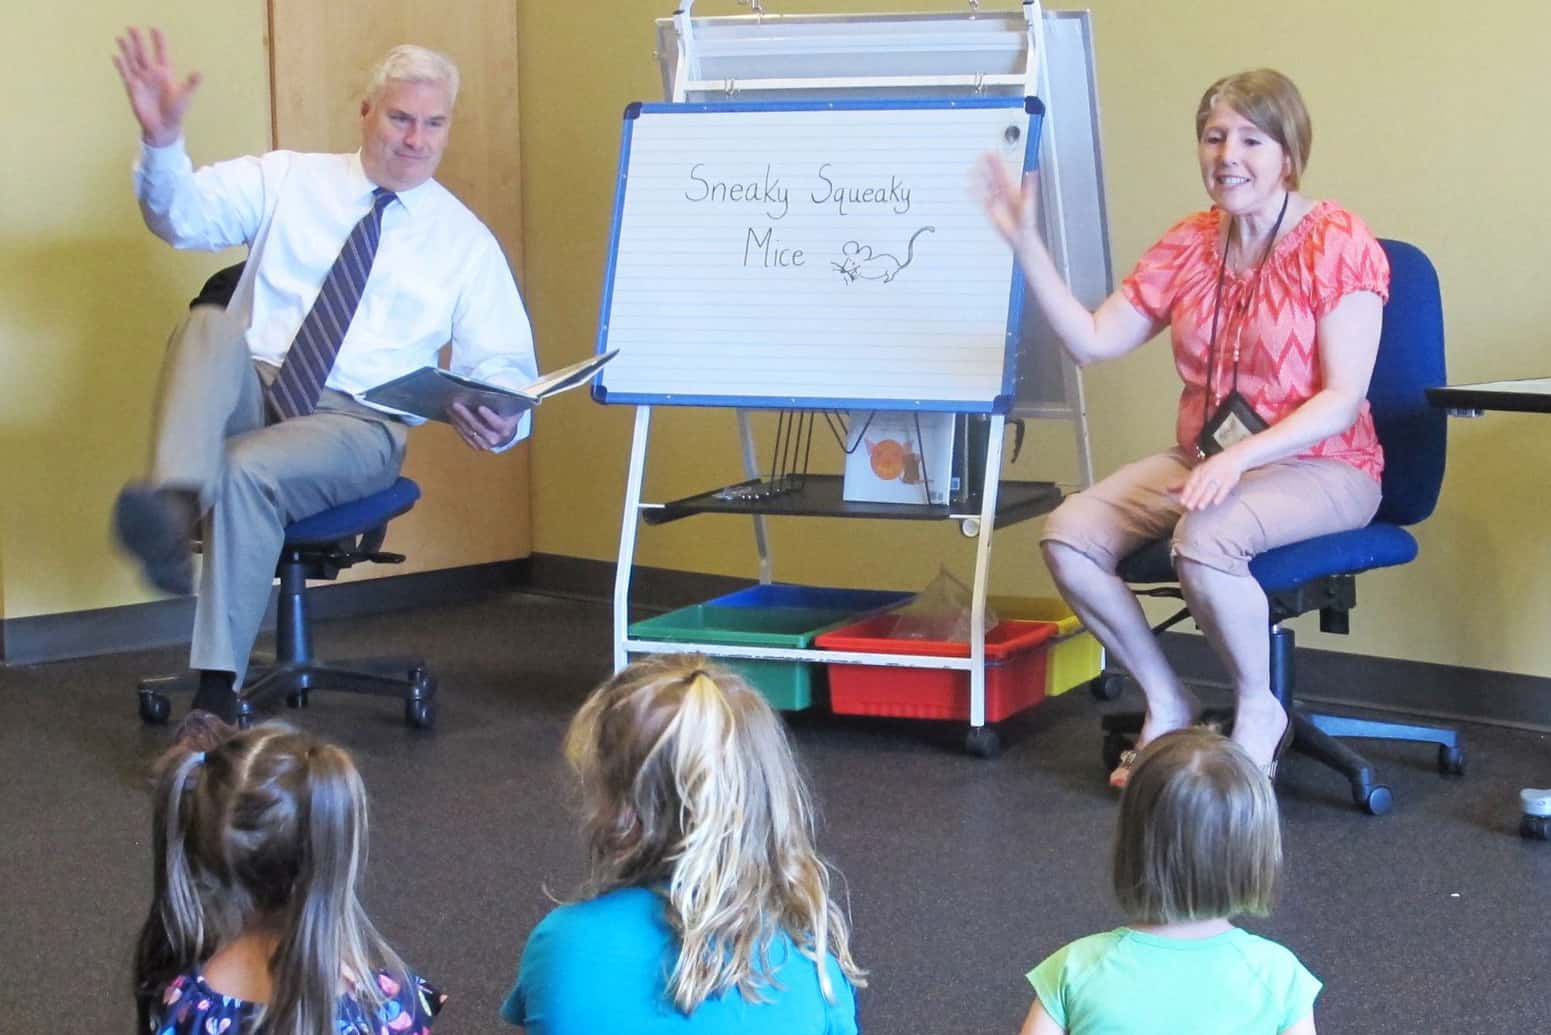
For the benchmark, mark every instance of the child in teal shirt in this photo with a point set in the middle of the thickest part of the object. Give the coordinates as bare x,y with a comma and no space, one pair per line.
1199,842
706,909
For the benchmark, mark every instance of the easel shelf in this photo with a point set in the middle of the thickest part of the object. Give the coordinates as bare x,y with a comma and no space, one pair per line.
820,496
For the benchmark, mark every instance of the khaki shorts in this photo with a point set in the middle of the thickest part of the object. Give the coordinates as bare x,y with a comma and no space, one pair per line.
1280,503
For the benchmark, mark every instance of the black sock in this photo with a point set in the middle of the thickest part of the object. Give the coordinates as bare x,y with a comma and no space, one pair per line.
215,694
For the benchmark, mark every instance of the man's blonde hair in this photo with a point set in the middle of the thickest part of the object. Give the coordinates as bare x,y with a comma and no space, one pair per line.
1199,836
407,63
690,788
1272,102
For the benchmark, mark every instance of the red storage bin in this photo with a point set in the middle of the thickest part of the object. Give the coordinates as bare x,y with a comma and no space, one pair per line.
1015,672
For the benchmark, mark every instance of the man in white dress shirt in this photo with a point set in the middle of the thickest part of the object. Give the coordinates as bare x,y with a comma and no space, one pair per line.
225,450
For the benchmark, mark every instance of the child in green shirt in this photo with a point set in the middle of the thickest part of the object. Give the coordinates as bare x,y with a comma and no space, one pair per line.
1199,842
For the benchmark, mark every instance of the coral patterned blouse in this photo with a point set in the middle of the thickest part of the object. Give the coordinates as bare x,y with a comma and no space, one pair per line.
1327,255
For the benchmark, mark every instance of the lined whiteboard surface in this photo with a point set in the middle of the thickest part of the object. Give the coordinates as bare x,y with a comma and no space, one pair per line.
738,51
813,254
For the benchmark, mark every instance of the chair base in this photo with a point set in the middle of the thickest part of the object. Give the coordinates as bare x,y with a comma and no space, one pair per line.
404,677
1316,734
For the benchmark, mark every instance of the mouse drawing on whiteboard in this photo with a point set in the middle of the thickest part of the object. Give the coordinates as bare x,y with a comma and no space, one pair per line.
860,262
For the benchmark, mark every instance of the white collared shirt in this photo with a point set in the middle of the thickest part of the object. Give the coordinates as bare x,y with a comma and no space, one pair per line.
439,274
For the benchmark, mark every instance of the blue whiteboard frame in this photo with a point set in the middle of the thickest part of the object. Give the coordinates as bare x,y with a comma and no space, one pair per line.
1001,404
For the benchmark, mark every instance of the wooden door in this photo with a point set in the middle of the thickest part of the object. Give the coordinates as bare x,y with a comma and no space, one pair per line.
475,506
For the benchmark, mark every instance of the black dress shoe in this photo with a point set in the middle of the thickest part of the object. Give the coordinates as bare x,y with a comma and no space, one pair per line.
157,526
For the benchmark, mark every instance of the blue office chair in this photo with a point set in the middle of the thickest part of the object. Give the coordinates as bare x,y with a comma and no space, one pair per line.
318,547
1320,573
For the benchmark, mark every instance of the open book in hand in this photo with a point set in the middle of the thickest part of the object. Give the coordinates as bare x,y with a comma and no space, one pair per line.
430,391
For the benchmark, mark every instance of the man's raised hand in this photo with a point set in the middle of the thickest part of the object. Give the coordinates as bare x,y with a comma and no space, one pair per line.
158,99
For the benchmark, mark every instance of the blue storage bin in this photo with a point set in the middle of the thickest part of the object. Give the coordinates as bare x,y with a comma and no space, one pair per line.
780,594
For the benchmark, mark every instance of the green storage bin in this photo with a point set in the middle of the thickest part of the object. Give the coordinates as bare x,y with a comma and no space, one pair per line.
767,616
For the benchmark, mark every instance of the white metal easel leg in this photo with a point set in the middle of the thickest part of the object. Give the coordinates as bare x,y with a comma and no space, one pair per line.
983,742
751,471
627,533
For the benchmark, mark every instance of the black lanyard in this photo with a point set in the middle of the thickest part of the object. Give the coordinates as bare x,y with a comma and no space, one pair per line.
1222,271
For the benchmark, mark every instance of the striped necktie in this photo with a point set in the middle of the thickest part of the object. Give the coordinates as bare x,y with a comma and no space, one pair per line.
295,390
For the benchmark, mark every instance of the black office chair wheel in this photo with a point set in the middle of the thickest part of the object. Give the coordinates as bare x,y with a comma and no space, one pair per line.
1115,744
1106,686
1376,800
1451,760
419,713
296,699
983,742
154,708
1535,828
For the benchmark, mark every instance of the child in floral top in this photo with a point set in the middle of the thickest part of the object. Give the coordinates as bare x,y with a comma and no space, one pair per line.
258,840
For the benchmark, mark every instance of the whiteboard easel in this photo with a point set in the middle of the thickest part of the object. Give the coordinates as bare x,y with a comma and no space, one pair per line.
770,56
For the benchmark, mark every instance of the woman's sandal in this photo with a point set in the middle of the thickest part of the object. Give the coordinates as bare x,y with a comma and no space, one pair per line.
1281,747
1121,774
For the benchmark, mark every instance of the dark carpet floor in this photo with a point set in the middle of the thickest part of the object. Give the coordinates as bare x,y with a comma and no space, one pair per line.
961,873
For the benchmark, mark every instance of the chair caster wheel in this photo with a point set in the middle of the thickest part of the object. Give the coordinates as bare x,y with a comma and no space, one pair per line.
1115,744
296,700
1451,760
1376,801
419,714
1535,828
983,742
154,708
1106,686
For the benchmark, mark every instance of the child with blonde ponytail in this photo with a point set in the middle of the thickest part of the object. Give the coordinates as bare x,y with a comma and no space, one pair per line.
258,842
706,909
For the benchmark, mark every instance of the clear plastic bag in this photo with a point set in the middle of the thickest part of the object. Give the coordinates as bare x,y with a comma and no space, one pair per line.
941,611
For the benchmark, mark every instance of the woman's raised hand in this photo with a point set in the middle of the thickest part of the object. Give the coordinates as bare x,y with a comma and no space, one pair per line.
158,99
1014,209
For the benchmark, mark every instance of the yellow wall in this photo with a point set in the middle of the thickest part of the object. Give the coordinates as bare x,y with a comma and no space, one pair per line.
86,293
1428,122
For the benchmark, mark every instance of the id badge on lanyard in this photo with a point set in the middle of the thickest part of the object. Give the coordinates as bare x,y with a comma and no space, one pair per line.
1234,419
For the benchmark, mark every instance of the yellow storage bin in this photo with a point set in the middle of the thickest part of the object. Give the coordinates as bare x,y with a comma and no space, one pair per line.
1075,656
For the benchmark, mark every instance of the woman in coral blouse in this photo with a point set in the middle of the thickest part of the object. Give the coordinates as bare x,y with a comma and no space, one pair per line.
1273,302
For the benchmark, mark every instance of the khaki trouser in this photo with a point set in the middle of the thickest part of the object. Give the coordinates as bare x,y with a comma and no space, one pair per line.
1283,502
214,436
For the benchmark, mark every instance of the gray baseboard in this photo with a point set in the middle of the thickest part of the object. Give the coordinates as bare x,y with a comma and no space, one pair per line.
1452,693
161,623
652,589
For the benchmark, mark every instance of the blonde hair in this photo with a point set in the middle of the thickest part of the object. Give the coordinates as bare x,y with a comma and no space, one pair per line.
689,787
266,826
408,63
1199,835
1272,102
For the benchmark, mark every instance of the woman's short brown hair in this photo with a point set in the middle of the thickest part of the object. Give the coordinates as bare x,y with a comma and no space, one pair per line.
1270,100
1199,837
